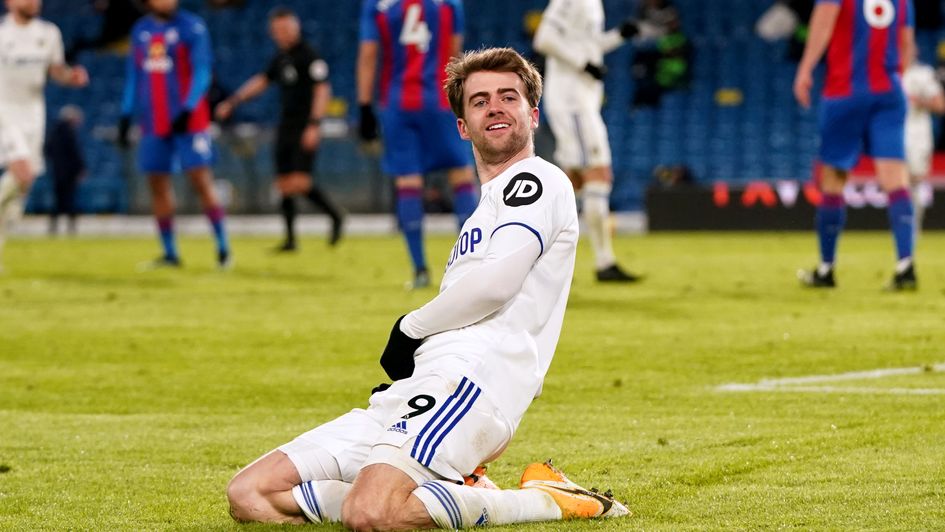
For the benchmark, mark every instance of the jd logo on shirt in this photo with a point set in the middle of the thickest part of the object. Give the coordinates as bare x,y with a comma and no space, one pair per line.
523,189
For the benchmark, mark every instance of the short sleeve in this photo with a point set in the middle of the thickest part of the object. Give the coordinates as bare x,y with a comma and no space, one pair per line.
56,55
368,27
316,68
530,202
272,71
459,18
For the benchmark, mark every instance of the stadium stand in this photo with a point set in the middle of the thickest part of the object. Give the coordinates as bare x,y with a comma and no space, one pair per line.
737,121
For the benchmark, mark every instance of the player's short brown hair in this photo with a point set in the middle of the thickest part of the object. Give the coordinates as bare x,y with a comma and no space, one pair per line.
491,60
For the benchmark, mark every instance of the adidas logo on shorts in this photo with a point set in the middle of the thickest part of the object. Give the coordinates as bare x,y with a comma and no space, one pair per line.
400,426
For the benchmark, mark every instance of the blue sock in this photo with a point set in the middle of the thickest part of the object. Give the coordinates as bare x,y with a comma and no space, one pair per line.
830,219
216,216
464,202
410,218
901,221
166,232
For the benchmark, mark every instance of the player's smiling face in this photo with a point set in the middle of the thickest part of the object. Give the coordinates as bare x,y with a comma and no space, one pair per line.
498,119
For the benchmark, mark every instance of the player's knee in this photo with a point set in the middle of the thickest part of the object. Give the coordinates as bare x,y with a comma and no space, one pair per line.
243,497
358,513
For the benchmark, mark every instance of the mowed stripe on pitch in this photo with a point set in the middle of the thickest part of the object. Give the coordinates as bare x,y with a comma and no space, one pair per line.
803,384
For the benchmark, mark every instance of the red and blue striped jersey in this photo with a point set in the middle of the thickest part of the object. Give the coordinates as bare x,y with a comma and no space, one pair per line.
864,55
415,39
168,71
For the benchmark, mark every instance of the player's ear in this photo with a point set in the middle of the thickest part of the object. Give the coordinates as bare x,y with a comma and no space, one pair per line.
463,131
534,118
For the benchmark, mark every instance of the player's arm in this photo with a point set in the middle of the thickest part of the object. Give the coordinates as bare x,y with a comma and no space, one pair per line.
321,95
201,56
366,71
512,252
822,22
59,71
251,88
69,76
551,37
127,99
366,66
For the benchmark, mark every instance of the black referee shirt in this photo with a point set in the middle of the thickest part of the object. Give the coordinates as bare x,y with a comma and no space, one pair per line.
297,71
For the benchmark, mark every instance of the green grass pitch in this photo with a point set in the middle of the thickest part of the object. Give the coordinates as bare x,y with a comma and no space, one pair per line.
128,399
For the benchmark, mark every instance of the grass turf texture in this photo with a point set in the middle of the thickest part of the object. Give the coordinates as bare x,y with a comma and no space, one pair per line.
128,399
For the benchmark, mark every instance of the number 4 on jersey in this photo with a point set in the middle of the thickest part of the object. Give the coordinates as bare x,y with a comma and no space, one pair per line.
415,31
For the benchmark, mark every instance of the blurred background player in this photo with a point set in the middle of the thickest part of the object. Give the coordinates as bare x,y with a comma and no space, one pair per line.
572,36
415,40
168,75
863,106
67,164
30,49
925,97
302,75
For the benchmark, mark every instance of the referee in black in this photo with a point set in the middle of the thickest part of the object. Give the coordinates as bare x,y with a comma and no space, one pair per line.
302,76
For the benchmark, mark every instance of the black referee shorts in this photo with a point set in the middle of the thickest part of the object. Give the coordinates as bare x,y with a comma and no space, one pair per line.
290,156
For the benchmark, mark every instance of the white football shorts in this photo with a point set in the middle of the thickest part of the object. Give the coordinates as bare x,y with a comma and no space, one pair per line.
18,141
919,159
580,138
431,427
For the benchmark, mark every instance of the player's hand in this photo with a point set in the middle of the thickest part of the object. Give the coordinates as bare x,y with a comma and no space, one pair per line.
803,82
397,359
311,137
79,76
124,127
224,110
596,71
629,28
367,127
181,122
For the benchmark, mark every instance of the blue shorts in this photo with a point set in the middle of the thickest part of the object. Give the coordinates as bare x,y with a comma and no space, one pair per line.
417,142
870,123
165,155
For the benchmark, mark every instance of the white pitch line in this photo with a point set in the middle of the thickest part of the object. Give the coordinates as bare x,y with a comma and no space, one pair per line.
790,384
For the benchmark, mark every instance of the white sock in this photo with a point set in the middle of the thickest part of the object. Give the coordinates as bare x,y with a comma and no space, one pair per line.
903,264
596,217
11,198
454,506
824,267
320,500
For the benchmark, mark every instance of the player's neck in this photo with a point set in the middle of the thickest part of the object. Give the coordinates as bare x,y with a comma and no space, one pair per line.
163,18
489,170
19,19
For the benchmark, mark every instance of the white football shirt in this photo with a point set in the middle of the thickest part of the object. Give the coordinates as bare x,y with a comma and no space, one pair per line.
571,35
26,53
508,352
919,81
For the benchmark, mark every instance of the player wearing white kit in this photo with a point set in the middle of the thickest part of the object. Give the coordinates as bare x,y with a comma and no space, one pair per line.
30,48
467,364
925,96
572,36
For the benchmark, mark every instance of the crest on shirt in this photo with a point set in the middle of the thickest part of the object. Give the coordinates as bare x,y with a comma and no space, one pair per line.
523,189
157,60
289,74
